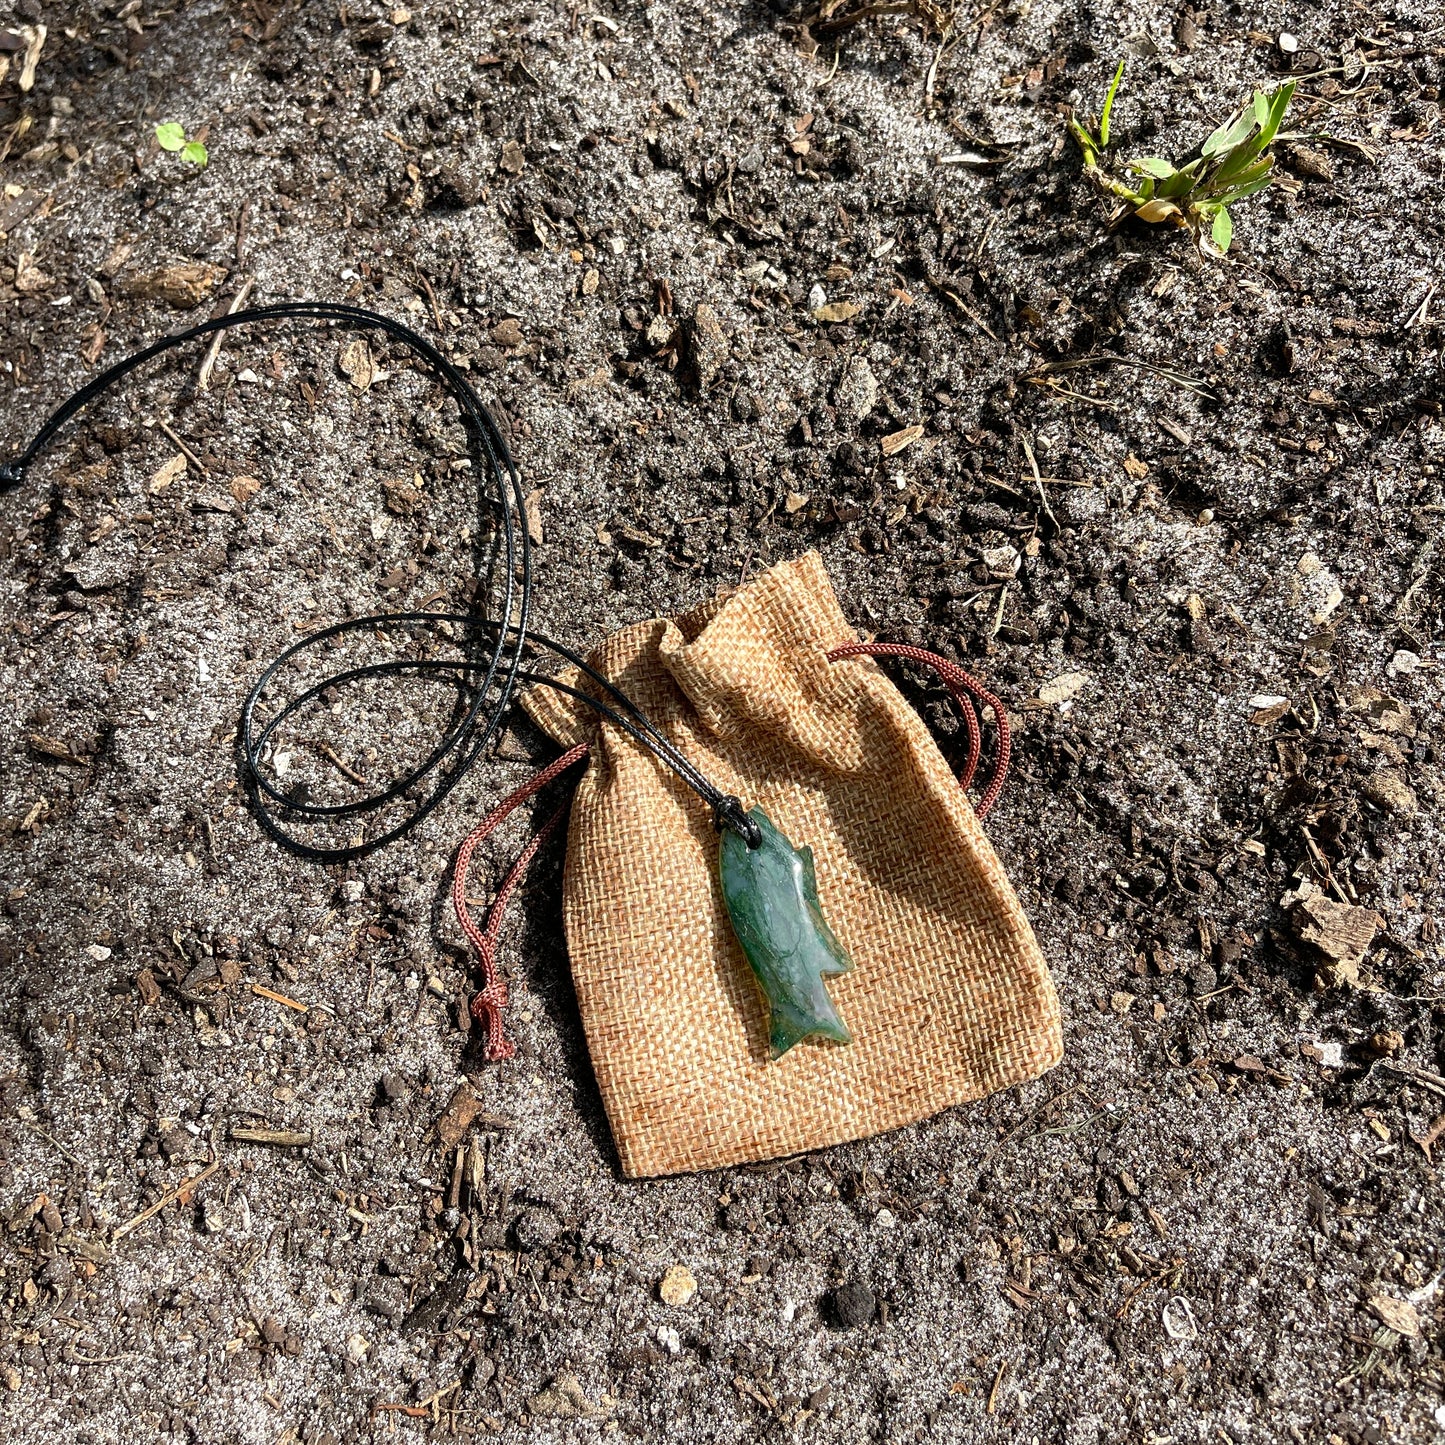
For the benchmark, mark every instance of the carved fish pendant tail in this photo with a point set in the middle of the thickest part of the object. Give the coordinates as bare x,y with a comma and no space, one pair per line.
771,893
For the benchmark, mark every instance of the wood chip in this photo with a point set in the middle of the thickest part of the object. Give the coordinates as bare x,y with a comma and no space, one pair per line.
837,311
1067,685
1268,710
119,255
1341,933
182,286
356,363
1430,1137
261,991
49,747
1388,789
564,1399
535,534
895,442
1354,326
285,1138
706,344
15,208
167,474
457,1117
29,278
34,37
1396,1314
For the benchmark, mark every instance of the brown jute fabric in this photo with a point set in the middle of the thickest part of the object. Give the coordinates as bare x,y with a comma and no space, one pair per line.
949,999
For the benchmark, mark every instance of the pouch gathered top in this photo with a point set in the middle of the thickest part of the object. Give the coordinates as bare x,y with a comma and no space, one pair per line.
949,997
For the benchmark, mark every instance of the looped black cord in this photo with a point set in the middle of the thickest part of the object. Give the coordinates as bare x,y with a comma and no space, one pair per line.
729,812
494,648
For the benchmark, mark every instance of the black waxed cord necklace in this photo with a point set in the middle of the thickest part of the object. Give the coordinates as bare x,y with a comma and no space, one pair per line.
494,649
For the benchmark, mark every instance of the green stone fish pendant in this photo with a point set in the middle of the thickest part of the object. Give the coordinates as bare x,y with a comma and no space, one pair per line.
771,893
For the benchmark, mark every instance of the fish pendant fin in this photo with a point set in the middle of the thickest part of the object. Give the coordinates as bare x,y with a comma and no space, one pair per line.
839,962
810,874
788,1027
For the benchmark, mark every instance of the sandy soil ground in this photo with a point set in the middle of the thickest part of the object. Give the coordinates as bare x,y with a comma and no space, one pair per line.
1212,616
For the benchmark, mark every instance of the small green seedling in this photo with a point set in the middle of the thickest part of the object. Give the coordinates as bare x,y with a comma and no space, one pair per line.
172,137
1231,165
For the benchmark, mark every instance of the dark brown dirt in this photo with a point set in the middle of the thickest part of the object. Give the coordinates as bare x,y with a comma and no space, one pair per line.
1214,621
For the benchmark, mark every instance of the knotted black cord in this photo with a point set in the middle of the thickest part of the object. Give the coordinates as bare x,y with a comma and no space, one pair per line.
500,663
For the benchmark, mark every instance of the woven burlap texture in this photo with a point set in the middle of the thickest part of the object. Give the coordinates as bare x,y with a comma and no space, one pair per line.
949,998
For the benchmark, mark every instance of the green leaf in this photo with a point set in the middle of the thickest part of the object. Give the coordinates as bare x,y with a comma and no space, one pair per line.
170,136
1230,134
1237,162
1261,109
1253,178
194,152
1253,172
1278,105
1087,143
1222,231
1238,193
1181,182
1154,166
1109,105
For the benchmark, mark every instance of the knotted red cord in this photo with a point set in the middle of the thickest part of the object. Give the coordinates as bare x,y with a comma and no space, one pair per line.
960,684
488,1003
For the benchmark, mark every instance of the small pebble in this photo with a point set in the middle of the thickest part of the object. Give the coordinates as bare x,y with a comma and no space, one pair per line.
678,1286
854,1305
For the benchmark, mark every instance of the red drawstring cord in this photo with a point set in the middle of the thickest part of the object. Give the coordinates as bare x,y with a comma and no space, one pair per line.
960,684
487,1004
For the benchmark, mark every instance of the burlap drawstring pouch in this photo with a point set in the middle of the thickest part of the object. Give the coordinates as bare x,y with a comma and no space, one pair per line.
949,998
